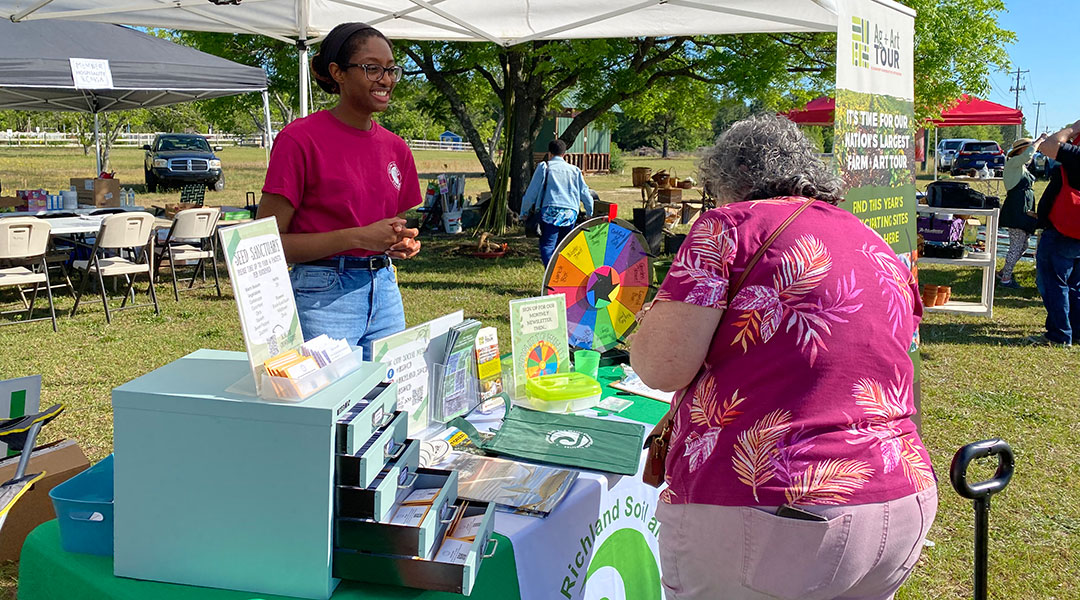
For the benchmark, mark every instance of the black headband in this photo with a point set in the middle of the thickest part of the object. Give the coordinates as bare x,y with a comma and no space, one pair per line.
337,37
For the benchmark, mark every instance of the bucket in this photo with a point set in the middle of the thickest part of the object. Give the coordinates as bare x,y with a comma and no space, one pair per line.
640,175
452,222
84,510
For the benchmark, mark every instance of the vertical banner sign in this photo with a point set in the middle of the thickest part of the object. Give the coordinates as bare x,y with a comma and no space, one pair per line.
875,129
18,397
874,144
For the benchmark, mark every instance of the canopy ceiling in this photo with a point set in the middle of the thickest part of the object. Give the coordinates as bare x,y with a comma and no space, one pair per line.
504,22
968,110
35,71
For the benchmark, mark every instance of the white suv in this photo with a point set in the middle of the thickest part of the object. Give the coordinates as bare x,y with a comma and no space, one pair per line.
946,151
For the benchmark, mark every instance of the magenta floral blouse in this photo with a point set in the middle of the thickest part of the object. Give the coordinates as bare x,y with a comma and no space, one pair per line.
805,396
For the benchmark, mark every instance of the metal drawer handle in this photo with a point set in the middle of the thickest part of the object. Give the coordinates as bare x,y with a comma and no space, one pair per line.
494,545
409,483
453,518
397,453
387,417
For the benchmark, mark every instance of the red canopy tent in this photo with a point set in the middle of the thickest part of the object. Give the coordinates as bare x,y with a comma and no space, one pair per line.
968,110
819,111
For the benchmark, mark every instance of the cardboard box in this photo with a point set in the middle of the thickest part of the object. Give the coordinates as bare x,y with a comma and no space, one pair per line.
60,461
171,208
667,195
33,199
98,192
12,202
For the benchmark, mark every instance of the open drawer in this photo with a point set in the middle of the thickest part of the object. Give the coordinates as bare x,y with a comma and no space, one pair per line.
392,484
369,535
388,444
356,426
425,573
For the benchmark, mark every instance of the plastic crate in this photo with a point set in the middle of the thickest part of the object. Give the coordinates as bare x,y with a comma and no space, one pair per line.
84,509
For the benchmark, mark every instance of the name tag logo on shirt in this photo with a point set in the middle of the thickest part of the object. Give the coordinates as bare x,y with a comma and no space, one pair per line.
395,174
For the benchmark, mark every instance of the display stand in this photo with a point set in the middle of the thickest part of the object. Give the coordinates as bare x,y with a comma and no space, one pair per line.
986,261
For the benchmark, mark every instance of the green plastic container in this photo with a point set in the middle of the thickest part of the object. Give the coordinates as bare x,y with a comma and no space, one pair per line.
562,392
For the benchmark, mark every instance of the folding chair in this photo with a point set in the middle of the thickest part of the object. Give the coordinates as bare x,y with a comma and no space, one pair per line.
25,240
20,434
128,232
191,237
58,255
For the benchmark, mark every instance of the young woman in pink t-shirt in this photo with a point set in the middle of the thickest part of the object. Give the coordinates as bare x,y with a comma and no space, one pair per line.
339,185
794,470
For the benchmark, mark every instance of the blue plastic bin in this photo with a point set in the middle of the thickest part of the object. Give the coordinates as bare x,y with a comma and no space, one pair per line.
84,509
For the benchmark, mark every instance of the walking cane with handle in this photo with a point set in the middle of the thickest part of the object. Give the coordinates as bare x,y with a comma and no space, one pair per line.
980,493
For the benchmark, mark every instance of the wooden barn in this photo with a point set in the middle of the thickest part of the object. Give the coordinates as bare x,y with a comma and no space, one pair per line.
591,151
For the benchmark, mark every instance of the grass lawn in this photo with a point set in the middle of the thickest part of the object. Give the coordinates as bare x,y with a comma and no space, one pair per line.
977,381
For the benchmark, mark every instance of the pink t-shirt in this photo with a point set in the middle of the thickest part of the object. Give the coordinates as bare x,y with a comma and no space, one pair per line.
337,176
805,396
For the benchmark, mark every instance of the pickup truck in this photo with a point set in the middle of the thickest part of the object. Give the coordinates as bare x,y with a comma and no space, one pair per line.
176,159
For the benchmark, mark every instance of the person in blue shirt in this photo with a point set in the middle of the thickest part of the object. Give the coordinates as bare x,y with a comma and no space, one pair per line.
557,191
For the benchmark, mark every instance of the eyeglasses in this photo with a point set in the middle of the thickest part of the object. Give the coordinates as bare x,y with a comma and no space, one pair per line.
376,72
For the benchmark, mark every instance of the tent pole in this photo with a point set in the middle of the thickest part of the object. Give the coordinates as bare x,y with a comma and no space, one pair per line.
97,144
268,132
935,153
305,81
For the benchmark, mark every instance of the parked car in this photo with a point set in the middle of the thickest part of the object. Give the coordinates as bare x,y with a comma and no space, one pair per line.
1041,165
946,151
973,156
176,159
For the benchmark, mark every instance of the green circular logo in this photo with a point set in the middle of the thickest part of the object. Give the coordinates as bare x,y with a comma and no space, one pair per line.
629,554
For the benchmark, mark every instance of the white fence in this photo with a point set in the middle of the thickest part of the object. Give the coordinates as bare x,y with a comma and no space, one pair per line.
124,140
137,140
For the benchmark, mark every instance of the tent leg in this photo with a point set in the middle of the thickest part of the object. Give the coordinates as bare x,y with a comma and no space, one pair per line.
305,79
935,154
97,145
269,141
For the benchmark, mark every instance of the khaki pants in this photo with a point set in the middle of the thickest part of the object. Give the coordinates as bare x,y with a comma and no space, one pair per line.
862,552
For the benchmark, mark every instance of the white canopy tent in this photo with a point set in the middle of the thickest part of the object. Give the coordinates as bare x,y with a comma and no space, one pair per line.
504,22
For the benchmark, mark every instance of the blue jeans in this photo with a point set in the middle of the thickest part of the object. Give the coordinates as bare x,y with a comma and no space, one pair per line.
550,236
357,305
1057,263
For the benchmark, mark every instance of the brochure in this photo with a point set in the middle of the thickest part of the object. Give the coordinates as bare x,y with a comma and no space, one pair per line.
408,357
488,369
633,384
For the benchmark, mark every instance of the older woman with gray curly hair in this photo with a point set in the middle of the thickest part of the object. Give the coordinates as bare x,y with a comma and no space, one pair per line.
793,467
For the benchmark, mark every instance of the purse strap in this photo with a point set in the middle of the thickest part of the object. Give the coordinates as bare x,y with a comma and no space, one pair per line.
543,189
733,290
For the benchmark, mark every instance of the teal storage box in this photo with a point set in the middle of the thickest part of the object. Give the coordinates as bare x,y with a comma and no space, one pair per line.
217,488
391,485
84,510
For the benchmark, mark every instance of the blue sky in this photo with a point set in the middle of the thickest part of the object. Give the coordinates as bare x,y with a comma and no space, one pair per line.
1041,47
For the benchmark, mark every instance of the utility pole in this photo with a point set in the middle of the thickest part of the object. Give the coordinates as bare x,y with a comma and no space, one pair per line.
1018,89
1038,107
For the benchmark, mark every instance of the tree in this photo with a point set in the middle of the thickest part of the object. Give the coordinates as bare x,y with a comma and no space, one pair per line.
957,44
679,113
535,77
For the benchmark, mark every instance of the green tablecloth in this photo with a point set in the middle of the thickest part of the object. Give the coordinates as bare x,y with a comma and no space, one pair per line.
46,572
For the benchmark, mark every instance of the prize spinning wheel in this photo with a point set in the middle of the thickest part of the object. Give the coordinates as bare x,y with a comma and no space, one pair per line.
603,268
541,360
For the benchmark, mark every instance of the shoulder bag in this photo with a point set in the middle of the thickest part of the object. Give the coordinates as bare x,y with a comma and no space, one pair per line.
659,440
